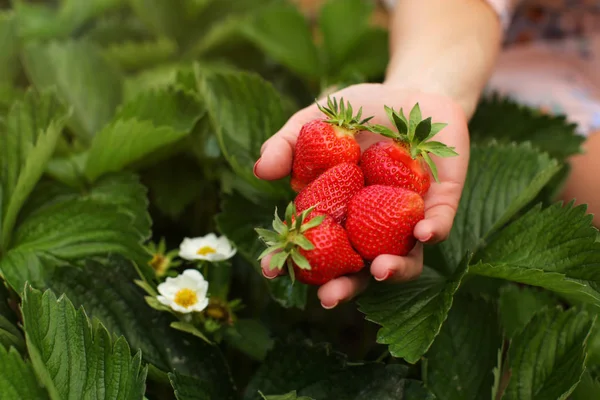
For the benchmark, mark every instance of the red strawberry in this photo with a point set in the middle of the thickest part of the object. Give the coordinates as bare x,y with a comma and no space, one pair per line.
331,192
402,162
315,249
381,220
325,143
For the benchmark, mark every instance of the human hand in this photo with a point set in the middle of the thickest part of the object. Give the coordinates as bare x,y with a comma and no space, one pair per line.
441,201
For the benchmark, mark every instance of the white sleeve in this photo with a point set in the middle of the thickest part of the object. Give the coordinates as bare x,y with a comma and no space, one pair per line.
503,8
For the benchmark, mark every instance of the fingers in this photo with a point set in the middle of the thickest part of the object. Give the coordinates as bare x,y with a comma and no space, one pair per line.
442,199
268,272
441,203
277,153
342,289
398,269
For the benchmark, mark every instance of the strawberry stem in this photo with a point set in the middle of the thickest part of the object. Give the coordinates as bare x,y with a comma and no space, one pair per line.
284,241
343,115
417,134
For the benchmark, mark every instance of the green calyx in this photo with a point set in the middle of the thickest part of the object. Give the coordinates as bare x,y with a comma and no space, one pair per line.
416,133
343,115
287,238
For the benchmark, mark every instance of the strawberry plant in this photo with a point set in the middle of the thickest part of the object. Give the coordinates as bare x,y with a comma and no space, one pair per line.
128,208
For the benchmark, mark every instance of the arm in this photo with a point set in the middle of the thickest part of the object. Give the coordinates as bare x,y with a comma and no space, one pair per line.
443,52
447,47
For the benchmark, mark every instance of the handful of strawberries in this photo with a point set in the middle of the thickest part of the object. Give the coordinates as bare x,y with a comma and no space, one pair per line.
352,208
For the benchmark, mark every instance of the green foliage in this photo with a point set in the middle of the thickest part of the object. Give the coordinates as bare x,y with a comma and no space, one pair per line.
547,358
411,314
469,340
122,121
74,358
317,372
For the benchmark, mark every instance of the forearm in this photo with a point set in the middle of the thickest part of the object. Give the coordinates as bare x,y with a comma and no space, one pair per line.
444,46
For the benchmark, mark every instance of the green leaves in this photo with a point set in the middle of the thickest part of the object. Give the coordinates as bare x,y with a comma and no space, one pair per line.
84,80
547,359
317,372
343,23
289,396
27,141
460,362
112,218
554,248
500,119
245,111
411,314
106,289
282,32
517,305
234,222
494,193
74,360
17,379
188,388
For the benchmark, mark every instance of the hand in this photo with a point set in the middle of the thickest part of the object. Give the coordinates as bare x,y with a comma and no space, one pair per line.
441,201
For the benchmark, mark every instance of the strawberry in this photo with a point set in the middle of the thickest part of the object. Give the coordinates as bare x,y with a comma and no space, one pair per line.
381,220
324,143
312,245
331,192
403,162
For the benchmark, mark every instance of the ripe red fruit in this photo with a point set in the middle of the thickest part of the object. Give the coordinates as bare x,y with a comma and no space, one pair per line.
315,249
381,220
402,162
325,143
331,192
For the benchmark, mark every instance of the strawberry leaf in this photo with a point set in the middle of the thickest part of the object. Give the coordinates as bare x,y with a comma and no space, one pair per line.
314,222
303,242
66,355
422,130
500,119
300,260
435,129
493,194
415,119
233,221
411,314
278,260
17,377
384,131
555,248
318,372
284,34
106,289
439,149
84,80
547,359
518,305
469,341
431,165
237,104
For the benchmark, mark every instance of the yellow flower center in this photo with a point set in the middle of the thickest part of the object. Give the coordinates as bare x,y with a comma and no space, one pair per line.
202,251
186,297
159,263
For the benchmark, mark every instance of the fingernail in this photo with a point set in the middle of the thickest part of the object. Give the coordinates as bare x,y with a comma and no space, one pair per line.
267,275
384,277
427,238
255,166
329,307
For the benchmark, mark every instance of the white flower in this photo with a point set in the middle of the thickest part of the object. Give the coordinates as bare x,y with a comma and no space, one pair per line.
209,248
185,293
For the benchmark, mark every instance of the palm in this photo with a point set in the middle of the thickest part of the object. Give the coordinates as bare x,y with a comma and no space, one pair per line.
441,200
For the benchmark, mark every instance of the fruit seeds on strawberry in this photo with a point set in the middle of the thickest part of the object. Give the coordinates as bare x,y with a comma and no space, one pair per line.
403,162
313,247
331,191
324,143
381,220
